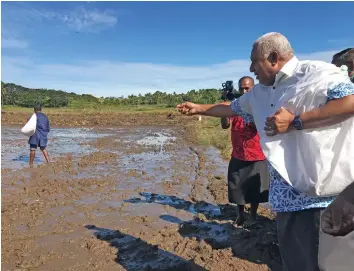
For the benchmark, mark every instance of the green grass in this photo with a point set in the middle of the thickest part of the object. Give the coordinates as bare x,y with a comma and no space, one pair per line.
209,132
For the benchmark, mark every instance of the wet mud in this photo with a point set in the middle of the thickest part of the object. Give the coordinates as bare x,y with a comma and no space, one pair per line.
128,198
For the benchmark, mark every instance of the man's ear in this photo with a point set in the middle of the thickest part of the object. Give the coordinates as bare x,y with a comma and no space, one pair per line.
273,58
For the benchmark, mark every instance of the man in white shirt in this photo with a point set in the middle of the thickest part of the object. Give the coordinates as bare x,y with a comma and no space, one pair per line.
280,73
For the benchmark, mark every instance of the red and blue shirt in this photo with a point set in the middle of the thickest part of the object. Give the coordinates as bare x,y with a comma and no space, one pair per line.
245,140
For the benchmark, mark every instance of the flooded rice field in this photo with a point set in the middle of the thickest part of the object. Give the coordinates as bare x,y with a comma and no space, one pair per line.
133,198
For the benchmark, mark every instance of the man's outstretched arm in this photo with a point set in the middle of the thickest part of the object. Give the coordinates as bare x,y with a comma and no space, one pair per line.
213,110
240,106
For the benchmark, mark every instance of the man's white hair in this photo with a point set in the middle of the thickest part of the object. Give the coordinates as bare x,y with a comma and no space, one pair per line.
273,42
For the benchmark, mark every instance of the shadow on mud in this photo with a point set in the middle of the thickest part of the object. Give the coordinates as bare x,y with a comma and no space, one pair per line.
135,254
258,244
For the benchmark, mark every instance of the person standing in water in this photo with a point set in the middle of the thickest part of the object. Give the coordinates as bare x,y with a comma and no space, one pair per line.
40,137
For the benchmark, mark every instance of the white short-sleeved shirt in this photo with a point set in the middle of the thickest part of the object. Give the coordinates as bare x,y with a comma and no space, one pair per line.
264,101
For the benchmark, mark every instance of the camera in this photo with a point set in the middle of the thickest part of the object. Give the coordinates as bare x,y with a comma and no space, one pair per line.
228,91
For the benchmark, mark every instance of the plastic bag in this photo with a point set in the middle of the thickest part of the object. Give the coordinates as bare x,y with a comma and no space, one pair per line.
318,162
30,127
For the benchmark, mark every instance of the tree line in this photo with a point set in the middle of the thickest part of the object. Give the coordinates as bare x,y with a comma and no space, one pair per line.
12,94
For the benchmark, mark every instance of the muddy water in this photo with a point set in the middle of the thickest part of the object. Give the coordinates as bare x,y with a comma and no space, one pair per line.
15,148
124,199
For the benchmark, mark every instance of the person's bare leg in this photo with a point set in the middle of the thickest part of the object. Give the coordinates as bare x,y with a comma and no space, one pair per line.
32,155
45,153
253,216
240,215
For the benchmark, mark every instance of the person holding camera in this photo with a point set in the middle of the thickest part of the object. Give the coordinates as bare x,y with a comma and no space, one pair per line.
247,176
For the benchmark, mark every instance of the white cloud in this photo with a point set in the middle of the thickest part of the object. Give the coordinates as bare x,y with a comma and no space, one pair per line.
107,78
323,56
80,18
13,43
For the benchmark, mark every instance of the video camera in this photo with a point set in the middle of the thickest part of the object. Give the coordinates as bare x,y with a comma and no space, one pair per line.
228,91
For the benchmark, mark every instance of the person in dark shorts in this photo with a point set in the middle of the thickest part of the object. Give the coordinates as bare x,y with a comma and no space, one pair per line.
248,178
40,137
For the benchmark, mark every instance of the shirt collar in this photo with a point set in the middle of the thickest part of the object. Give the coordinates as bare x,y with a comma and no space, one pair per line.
287,71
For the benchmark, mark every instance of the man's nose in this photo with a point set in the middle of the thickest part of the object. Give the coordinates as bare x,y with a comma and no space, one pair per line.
251,68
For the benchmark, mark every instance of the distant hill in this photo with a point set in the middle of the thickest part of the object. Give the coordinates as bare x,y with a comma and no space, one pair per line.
12,94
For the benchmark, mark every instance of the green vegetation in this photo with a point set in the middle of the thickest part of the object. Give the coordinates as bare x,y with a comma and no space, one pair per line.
15,95
209,132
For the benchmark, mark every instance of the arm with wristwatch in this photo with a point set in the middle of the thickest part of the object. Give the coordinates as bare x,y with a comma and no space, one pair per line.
338,218
333,112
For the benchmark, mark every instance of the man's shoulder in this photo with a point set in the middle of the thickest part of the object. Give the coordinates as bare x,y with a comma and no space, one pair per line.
306,66
42,115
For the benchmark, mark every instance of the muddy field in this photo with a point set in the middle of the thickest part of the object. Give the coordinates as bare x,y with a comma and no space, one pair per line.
129,198
98,118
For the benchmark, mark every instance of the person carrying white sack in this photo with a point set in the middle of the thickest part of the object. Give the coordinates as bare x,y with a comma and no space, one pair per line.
39,135
303,112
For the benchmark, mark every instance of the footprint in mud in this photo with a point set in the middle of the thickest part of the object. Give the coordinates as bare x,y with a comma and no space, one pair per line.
136,254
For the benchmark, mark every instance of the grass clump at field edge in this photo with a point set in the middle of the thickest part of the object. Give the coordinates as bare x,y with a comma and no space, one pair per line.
209,132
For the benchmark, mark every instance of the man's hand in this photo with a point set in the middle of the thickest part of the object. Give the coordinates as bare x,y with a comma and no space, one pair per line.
225,123
189,108
338,217
279,122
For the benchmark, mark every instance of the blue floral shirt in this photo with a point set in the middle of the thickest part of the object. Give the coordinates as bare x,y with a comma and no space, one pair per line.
282,196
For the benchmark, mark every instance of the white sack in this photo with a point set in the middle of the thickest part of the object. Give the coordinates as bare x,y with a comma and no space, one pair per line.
30,128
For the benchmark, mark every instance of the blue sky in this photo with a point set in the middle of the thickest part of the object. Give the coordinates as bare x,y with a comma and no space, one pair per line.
122,48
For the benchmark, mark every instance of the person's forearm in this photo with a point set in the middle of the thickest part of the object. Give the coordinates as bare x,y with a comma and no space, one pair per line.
225,122
333,112
216,110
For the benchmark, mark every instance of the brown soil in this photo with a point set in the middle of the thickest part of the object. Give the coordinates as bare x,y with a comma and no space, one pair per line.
118,209
99,118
